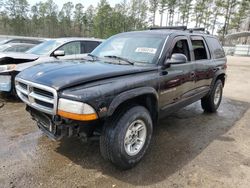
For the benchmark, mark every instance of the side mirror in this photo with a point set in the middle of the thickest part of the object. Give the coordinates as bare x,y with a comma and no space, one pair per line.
58,53
176,58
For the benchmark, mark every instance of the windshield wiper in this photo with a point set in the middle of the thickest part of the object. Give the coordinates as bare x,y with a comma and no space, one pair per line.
120,58
94,57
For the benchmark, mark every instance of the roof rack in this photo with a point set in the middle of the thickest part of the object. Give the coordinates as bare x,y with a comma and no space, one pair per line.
170,27
183,28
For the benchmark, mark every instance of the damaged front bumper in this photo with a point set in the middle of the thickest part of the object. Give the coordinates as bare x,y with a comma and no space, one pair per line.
56,128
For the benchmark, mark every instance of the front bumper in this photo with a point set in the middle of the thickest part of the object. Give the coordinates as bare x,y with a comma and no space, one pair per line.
56,128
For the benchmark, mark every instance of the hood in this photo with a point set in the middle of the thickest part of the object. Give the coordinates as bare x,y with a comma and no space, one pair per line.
64,74
16,58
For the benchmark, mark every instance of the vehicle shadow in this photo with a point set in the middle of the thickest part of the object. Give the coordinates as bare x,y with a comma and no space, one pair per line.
177,140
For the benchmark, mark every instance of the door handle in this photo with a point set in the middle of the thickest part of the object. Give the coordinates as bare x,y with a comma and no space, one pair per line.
192,75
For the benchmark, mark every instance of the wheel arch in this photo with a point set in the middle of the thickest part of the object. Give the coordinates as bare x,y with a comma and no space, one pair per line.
221,75
145,96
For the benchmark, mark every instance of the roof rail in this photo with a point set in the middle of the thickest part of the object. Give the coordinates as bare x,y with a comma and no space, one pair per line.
183,28
170,27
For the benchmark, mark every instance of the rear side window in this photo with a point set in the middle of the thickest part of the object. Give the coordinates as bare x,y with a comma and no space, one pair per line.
199,49
215,48
89,46
71,48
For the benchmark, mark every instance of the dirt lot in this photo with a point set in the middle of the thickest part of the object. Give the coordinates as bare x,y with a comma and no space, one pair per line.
190,148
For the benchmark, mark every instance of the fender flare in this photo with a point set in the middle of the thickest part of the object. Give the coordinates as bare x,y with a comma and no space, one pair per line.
122,97
218,73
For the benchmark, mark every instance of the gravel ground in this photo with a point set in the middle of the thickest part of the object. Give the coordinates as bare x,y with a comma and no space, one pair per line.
190,148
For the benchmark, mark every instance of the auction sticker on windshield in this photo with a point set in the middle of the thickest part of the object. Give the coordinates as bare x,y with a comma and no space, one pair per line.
146,50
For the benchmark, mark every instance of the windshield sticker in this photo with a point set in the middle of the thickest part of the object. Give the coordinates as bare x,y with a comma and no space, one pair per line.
146,50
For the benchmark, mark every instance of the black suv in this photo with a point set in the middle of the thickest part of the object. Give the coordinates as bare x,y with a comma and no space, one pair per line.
123,87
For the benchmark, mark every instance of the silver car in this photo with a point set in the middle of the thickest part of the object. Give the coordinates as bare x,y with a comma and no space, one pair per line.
50,50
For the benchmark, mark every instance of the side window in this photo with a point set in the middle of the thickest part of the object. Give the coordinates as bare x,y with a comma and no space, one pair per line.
216,48
15,41
89,46
199,49
181,46
71,48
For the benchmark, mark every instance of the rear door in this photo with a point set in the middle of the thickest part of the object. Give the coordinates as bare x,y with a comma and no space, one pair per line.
204,64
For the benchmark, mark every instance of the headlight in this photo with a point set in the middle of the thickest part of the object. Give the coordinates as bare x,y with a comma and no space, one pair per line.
10,67
76,110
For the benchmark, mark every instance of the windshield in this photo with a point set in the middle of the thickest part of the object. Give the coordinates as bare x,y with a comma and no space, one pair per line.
45,47
4,47
141,48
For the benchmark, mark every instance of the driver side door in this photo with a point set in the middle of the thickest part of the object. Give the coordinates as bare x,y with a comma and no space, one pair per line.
178,81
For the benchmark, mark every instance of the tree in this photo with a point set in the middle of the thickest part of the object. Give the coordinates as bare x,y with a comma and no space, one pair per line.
152,9
17,11
51,19
198,11
89,25
217,12
242,13
36,24
228,8
43,18
162,9
79,18
1,4
171,5
207,13
102,20
184,8
65,18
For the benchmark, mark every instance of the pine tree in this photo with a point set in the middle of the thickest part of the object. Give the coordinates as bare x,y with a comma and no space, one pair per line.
152,9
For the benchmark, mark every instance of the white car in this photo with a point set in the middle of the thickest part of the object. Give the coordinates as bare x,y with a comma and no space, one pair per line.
12,63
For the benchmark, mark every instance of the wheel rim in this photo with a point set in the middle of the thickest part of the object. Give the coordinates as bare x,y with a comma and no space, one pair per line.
135,137
217,94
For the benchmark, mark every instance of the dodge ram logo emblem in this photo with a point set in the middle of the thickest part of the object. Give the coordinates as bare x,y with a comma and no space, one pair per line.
30,89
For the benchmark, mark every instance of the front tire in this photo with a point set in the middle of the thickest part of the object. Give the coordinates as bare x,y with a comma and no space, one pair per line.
212,102
126,137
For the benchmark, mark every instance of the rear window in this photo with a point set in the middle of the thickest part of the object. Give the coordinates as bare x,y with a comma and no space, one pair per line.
215,48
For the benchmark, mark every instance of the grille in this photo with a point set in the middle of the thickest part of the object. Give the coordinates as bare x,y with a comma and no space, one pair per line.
40,97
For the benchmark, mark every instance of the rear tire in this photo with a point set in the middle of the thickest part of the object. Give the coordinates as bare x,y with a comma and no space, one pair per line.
126,137
212,102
